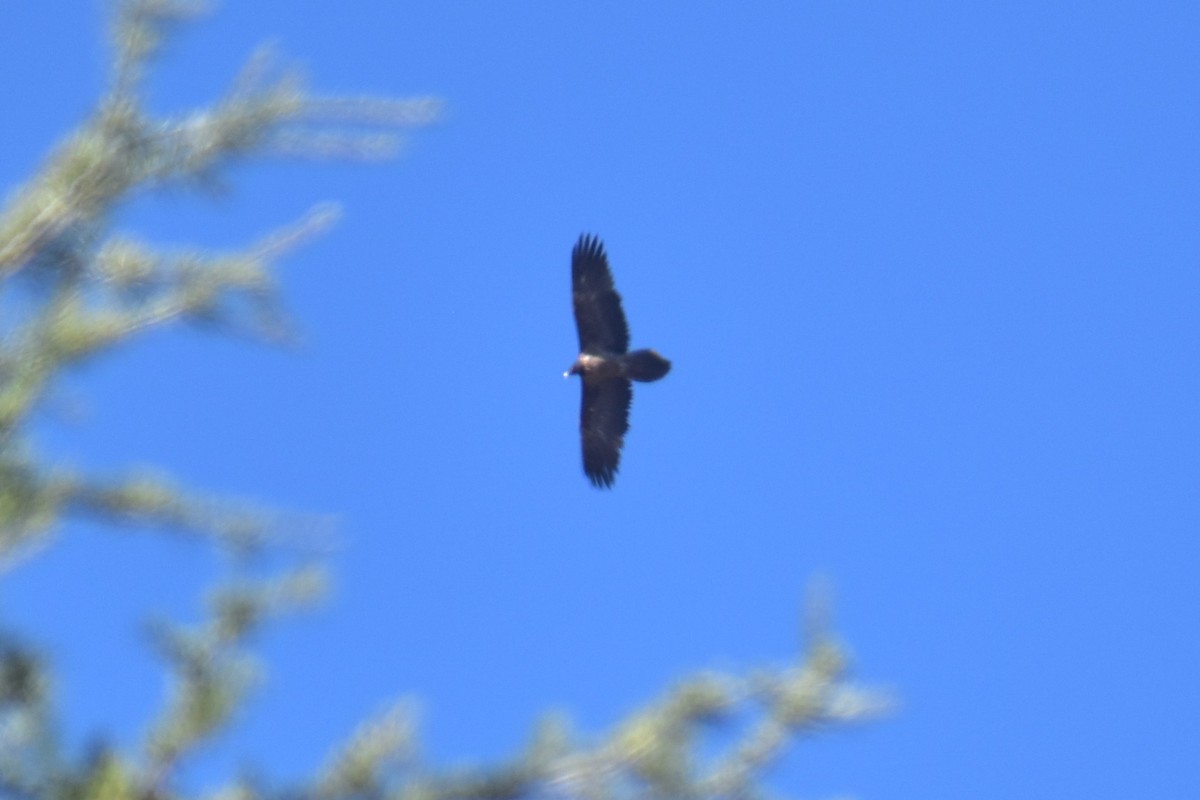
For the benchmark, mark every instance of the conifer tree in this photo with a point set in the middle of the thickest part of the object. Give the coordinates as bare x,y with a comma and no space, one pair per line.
72,289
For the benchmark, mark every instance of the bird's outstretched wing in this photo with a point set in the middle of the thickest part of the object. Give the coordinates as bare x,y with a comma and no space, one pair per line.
603,421
598,314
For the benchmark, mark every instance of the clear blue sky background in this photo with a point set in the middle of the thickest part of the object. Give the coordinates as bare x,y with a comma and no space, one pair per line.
928,273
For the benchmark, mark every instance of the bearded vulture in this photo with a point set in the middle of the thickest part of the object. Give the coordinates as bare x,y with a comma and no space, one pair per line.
605,363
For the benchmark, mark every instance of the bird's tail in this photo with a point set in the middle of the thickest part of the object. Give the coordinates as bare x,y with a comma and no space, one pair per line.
646,365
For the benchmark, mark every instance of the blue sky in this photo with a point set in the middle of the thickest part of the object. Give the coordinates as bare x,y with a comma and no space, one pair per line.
928,276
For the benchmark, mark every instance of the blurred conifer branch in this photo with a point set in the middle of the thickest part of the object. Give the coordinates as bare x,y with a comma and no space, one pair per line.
71,289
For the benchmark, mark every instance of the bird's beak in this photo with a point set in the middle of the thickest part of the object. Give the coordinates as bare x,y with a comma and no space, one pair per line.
566,374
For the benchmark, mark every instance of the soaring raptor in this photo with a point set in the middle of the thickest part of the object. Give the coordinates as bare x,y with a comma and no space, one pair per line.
605,363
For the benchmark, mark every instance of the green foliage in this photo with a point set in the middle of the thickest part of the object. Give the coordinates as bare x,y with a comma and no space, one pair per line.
72,289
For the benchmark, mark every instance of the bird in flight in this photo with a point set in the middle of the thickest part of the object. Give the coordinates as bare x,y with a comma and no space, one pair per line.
605,364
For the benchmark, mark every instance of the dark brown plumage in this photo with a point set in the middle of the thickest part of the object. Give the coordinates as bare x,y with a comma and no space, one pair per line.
605,364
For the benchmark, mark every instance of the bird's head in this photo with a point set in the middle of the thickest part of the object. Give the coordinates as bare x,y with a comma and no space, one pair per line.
574,370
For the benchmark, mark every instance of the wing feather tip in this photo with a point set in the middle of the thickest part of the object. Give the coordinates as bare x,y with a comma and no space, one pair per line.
602,478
